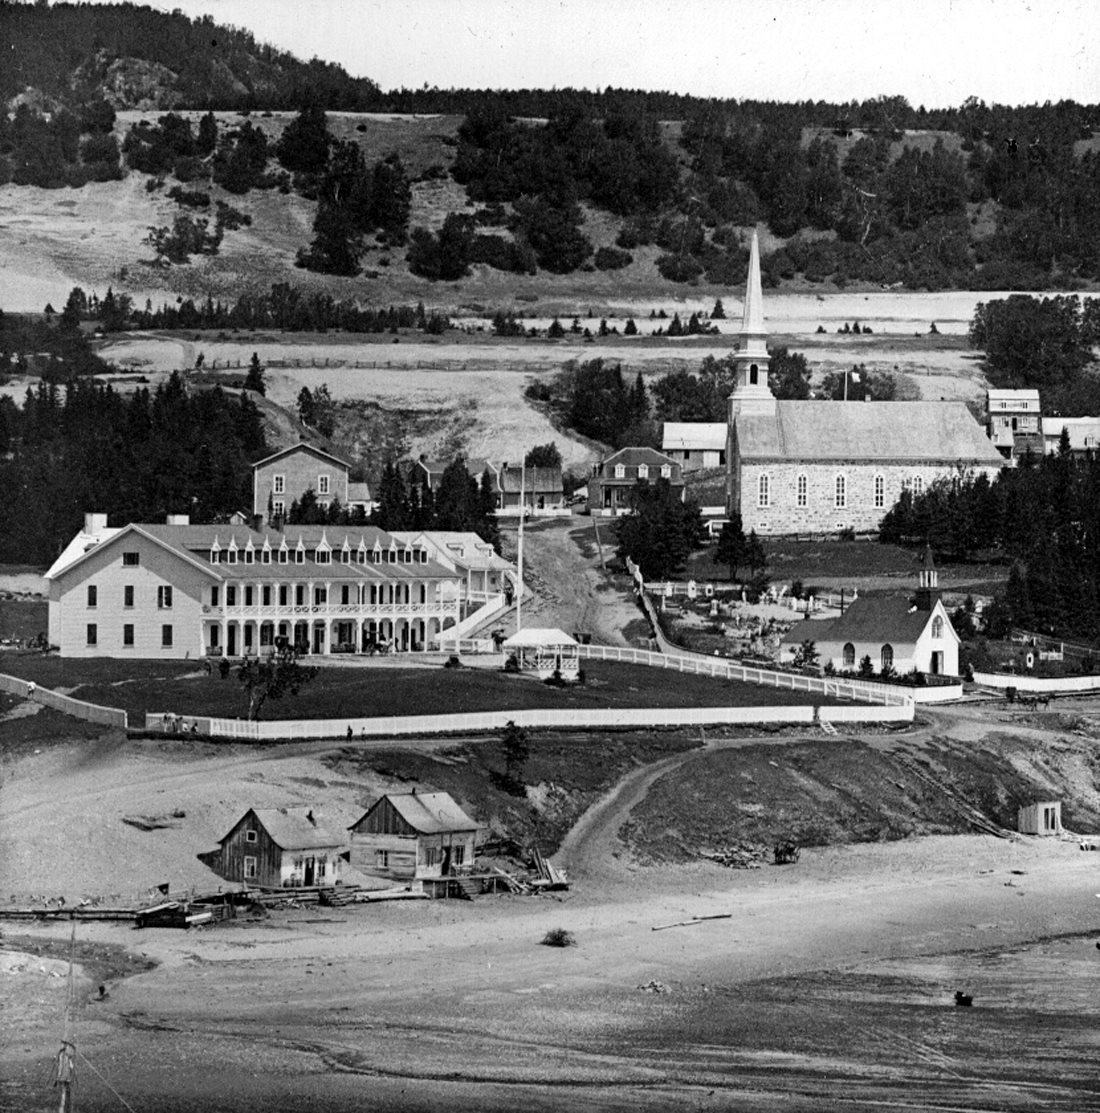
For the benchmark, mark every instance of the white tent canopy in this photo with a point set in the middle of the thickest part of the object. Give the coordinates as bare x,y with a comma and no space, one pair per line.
539,637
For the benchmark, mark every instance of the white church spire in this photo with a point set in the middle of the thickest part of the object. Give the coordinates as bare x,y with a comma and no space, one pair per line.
751,393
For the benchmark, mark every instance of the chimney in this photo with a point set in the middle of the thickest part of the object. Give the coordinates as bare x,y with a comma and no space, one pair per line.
257,522
179,519
95,523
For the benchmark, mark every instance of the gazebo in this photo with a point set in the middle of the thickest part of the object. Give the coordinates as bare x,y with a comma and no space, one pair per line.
544,651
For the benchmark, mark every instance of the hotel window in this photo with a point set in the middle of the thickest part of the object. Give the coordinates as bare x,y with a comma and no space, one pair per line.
215,593
93,633
345,595
763,491
282,595
937,627
324,556
278,486
320,596
166,637
231,595
841,492
164,598
345,556
92,595
130,560
299,595
322,485
801,490
128,634
249,556
643,471
231,556
880,492
128,595
265,594
299,556
215,556
265,556
248,595
284,556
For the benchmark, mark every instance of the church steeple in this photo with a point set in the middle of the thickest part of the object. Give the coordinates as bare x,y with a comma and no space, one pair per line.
928,592
751,393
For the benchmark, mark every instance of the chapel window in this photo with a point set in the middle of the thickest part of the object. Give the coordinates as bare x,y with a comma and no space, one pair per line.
880,492
763,490
801,487
849,655
887,656
937,627
841,492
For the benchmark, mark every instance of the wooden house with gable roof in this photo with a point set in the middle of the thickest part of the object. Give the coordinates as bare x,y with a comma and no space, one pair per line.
280,848
413,835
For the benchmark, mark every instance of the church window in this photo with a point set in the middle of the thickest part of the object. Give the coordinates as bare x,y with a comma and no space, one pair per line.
801,490
918,485
754,374
841,492
937,627
887,656
849,655
880,492
763,490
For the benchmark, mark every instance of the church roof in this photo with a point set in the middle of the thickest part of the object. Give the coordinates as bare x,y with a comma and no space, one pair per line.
870,618
752,318
817,431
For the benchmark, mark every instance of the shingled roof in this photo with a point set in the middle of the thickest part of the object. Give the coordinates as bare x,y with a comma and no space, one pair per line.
870,618
293,829
940,432
429,813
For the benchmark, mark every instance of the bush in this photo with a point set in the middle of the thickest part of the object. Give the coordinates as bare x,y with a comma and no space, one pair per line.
559,937
679,268
452,662
611,259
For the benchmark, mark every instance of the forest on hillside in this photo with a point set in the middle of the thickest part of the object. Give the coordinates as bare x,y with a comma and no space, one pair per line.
871,192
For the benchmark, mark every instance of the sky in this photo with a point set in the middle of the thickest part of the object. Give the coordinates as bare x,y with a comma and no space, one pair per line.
934,52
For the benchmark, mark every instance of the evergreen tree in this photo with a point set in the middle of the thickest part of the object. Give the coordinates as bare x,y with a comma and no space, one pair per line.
304,145
254,380
731,548
661,530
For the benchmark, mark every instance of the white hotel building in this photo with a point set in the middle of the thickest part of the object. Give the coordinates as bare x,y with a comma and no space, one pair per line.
179,590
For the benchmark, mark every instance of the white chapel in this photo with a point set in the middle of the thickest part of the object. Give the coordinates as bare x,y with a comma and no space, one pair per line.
819,467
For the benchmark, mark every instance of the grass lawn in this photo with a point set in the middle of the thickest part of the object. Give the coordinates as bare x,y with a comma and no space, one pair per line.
364,692
809,561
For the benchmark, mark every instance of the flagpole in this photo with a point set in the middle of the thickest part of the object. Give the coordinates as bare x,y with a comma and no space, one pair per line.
519,546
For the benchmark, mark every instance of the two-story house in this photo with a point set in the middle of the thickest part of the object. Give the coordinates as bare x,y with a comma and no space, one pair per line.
281,479
614,477
180,590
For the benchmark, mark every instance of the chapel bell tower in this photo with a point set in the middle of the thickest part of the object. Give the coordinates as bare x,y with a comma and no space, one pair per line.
751,393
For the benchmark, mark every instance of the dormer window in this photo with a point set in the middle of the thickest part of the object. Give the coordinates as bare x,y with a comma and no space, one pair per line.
643,471
284,554
666,471
231,553
249,553
323,556
265,554
299,555
620,471
215,554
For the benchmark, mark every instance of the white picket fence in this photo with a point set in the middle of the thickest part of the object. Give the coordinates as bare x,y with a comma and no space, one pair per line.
78,708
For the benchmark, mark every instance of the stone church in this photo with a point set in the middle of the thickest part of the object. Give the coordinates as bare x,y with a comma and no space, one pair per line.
819,467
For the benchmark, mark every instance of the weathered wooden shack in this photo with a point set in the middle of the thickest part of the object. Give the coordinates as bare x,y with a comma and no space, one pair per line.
413,835
278,848
1041,818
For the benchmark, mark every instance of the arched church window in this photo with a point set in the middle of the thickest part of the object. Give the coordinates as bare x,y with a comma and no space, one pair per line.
801,490
849,655
841,492
937,627
763,490
880,492
887,656
754,374
918,485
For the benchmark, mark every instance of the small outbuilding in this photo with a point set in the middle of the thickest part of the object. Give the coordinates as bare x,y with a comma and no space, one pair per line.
1042,818
413,835
280,848
544,651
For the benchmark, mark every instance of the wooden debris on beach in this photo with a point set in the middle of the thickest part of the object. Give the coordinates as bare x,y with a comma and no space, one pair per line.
693,921
741,856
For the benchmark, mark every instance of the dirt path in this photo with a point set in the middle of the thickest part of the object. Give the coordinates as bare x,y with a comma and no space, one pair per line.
570,590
